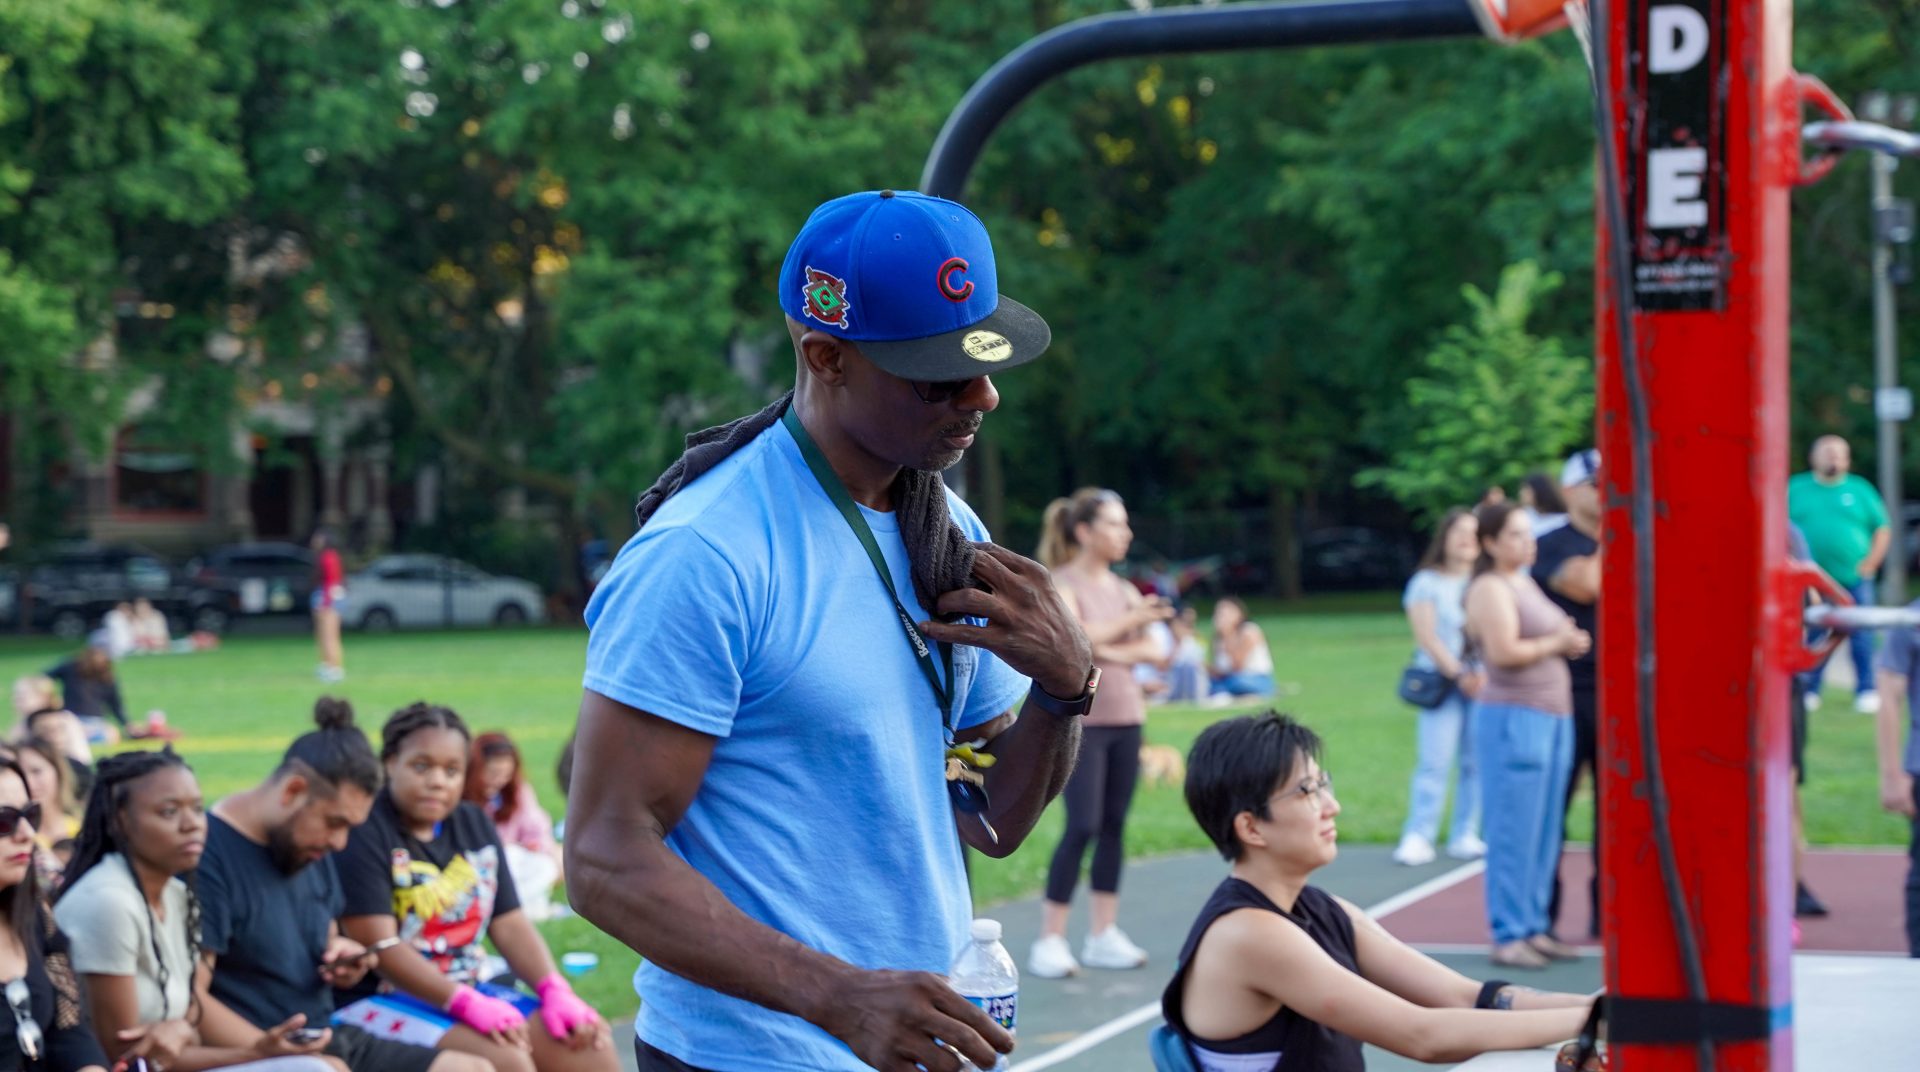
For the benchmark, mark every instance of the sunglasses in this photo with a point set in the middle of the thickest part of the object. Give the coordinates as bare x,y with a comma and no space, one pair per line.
26,1029
10,818
938,391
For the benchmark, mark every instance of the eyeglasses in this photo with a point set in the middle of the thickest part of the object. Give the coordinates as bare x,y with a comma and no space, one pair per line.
26,1029
10,817
1321,787
938,391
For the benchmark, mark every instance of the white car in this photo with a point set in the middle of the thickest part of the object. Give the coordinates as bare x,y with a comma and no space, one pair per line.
433,591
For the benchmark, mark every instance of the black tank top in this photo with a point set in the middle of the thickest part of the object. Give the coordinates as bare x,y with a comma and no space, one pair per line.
1304,1046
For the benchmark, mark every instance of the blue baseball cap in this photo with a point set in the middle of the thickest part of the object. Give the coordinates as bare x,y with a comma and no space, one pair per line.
911,279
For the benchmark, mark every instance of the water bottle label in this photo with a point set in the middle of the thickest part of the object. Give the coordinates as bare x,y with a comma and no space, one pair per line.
1003,1010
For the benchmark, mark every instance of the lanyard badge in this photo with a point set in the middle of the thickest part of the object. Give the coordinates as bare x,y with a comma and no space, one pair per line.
966,785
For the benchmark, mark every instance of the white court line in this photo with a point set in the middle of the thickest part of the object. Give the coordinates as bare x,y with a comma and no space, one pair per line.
1120,1025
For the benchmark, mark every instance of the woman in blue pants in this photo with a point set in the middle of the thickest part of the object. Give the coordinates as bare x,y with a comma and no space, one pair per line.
1523,733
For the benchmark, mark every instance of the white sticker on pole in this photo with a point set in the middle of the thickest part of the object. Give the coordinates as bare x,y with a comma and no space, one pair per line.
1892,404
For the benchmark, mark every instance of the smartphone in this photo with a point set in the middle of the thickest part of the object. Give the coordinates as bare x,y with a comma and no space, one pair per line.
302,1036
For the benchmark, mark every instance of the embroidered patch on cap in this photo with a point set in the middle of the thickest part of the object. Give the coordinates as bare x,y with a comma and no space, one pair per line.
986,346
952,280
826,298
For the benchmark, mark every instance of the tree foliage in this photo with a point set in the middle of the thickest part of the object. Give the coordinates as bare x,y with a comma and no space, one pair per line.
1492,403
552,229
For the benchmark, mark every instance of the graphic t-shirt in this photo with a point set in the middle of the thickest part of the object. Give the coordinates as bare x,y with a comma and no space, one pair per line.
1838,519
444,892
746,610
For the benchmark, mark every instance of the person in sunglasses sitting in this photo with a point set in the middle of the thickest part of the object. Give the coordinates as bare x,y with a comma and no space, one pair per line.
1279,974
48,1029
135,923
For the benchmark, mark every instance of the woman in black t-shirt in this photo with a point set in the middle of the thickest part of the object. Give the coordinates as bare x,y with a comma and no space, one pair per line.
46,1027
425,880
1280,975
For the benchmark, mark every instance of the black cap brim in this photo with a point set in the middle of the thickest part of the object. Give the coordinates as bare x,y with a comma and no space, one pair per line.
1012,336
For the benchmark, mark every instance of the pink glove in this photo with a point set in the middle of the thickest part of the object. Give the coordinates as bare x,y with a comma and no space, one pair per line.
482,1013
561,1009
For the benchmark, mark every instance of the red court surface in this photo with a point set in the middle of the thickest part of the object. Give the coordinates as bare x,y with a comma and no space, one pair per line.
1863,888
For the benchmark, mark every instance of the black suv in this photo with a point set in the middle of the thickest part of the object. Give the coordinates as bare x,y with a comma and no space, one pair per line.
257,578
69,590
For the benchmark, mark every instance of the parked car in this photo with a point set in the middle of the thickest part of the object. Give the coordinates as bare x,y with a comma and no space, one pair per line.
1349,558
70,590
257,579
426,591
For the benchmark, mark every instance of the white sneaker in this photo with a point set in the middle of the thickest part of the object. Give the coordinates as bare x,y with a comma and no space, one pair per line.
1112,949
1466,848
1813,701
1414,850
1052,958
1867,703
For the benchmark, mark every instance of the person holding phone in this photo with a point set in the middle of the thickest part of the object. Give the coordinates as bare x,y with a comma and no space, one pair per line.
1083,537
426,882
134,922
269,896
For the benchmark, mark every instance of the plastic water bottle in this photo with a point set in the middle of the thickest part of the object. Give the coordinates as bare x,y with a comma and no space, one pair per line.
984,974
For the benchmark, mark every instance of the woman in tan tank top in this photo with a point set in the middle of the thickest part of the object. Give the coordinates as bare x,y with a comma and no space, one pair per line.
1523,733
1082,539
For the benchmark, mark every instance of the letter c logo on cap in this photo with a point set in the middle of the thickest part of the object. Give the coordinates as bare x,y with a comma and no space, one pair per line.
955,267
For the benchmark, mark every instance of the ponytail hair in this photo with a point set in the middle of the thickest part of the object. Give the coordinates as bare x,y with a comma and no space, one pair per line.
335,753
1063,516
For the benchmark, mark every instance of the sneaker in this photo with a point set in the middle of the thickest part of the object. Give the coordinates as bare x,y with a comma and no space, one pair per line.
1052,958
1813,701
1466,848
1806,904
1867,703
1553,948
1112,949
1414,851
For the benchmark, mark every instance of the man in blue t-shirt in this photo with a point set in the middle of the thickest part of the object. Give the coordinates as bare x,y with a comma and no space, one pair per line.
1900,762
776,743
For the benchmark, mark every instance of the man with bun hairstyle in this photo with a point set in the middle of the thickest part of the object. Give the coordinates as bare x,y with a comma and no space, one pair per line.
269,898
810,666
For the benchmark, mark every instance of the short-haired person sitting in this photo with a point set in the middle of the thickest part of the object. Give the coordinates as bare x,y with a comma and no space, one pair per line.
1278,974
426,882
48,1029
134,924
270,895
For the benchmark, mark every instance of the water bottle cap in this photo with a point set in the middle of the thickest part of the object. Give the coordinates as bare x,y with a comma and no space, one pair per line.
986,930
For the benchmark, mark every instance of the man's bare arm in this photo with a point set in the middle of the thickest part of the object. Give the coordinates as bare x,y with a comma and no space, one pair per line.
1034,753
634,777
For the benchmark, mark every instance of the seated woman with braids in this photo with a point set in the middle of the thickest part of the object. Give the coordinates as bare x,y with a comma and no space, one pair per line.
135,921
47,1030
425,881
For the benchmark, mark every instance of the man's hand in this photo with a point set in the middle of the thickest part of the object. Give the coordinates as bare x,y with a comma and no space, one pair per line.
1896,793
273,1042
1028,626
345,962
891,1020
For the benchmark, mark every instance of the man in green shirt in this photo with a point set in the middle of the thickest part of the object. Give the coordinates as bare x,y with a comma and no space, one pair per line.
1845,523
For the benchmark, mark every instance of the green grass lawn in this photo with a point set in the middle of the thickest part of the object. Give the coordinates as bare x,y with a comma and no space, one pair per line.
240,705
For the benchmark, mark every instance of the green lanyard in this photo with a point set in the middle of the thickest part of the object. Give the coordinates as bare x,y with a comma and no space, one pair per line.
830,483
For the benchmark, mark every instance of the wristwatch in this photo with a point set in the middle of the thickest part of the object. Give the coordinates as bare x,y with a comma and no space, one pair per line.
1073,708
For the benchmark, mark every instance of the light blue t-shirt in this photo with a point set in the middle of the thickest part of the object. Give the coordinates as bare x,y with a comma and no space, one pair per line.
746,609
1901,654
1448,596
